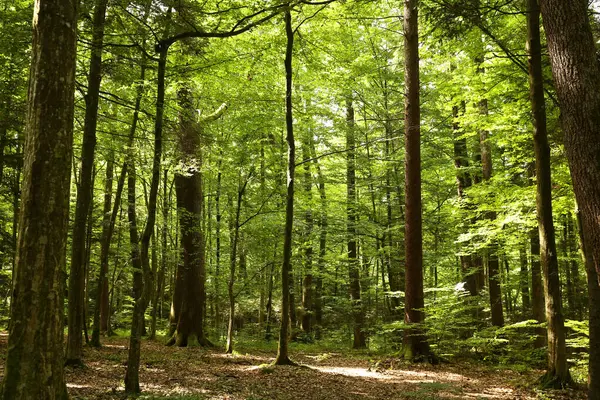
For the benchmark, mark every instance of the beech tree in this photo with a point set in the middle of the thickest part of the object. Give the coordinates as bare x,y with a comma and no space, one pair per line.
34,362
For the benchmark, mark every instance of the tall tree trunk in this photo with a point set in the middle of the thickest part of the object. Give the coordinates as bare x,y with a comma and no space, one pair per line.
318,300
493,263
34,359
538,309
576,75
190,293
594,316
463,179
106,217
282,349
358,313
132,382
416,346
524,281
558,371
84,193
307,282
163,258
132,374
218,249
235,235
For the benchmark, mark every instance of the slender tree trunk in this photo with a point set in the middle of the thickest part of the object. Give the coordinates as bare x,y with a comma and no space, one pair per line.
84,193
524,281
558,371
538,310
307,282
163,258
416,346
132,383
351,211
234,245
218,250
106,219
282,349
34,359
318,301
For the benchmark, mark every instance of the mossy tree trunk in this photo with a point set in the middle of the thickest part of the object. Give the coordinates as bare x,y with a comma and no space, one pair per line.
34,359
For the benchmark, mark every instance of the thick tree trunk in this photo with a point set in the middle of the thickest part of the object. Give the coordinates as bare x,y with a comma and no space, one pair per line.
358,313
558,371
594,316
577,80
84,193
190,294
282,349
416,346
34,359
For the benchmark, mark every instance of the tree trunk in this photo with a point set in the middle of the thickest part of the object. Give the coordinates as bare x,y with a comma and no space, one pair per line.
558,371
594,316
34,359
163,258
416,346
282,349
307,282
190,294
235,227
538,311
84,192
493,264
132,374
142,297
106,217
576,75
318,300
358,313
524,281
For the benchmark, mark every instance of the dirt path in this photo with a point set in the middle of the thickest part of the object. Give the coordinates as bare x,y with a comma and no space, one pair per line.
194,373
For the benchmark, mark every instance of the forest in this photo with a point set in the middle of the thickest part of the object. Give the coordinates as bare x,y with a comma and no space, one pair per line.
299,199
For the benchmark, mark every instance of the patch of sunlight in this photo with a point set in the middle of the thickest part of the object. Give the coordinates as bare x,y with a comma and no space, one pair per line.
355,372
76,386
114,346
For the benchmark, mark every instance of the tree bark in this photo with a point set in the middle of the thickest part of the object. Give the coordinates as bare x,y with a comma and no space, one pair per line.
189,298
594,315
282,349
34,359
84,193
142,297
307,282
558,371
577,80
416,346
358,313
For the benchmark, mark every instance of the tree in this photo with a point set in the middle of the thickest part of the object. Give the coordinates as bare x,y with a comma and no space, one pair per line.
415,343
353,270
34,362
577,79
282,349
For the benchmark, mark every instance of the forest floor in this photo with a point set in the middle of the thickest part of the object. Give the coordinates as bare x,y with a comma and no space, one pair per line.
197,373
